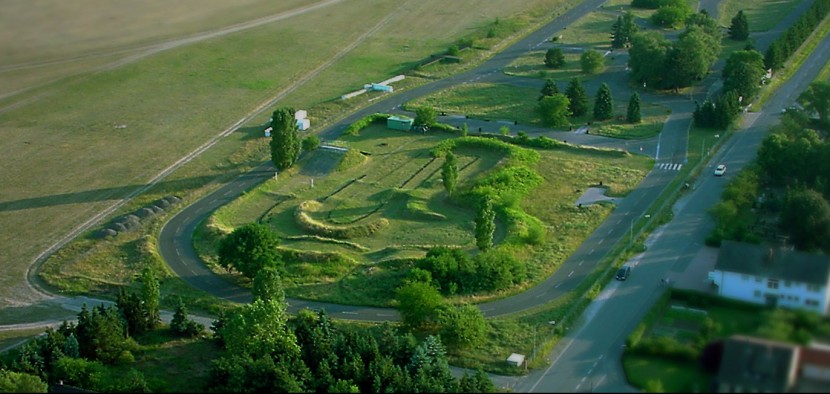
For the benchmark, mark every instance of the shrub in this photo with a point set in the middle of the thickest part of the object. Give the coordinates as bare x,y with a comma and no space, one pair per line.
354,128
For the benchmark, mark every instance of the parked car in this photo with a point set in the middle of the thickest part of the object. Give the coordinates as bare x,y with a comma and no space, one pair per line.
623,272
720,169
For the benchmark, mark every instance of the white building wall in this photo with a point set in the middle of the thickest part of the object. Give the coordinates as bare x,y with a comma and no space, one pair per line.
790,294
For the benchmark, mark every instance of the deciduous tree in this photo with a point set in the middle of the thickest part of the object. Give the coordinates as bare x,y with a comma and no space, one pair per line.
250,248
591,61
285,138
743,72
485,224
418,303
554,58
462,327
816,98
554,110
449,172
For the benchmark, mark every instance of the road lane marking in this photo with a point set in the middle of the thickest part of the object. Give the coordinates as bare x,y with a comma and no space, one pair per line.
591,252
580,262
600,241
569,275
349,313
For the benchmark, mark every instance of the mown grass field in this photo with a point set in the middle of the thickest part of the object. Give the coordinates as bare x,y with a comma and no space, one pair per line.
762,15
77,145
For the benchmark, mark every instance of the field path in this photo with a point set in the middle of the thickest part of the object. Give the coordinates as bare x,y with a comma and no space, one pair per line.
95,219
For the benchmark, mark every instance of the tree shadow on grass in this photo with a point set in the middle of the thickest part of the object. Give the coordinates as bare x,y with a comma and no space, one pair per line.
103,194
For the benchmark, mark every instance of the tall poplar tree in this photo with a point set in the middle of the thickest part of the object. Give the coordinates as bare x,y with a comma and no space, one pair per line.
485,224
152,297
285,138
449,172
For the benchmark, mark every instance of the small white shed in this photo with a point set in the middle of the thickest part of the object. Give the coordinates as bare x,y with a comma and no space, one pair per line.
300,114
303,124
516,359
268,131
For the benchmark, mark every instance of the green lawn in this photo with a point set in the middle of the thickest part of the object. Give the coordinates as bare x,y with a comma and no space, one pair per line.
762,15
651,373
399,175
174,101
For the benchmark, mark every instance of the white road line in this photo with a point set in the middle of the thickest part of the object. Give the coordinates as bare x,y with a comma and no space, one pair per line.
349,313
383,314
580,263
592,251
600,241
569,275
611,231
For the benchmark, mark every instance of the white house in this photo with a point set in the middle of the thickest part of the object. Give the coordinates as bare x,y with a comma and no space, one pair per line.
773,275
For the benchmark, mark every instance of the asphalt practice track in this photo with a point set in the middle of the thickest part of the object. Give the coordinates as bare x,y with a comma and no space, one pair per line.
175,242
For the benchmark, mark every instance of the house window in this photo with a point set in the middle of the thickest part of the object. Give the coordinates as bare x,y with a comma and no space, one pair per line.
815,288
757,294
772,283
810,302
758,279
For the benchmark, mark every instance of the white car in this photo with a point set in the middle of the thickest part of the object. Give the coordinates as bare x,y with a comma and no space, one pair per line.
720,169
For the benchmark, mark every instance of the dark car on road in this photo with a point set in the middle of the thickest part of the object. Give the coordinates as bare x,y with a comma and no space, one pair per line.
623,273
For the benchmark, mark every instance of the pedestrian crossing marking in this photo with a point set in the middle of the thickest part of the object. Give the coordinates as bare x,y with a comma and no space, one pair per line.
670,166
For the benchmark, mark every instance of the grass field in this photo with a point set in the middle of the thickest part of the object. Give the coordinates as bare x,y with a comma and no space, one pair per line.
762,15
65,155
399,181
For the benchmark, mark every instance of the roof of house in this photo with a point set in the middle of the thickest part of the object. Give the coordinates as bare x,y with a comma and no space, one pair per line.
773,262
755,364
816,354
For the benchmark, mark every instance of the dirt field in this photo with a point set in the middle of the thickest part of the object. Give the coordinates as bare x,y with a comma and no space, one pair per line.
99,99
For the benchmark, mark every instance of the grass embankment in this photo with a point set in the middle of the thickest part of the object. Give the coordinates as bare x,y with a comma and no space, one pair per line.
399,181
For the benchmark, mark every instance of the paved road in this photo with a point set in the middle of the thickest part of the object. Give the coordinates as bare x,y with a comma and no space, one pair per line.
175,241
588,358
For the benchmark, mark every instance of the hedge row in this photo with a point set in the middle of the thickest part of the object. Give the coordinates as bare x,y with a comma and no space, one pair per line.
355,127
524,156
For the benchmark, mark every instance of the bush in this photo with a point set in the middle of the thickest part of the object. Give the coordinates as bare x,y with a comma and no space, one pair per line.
311,143
354,128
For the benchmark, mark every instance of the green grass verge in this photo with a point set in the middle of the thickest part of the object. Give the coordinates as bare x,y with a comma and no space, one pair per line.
761,15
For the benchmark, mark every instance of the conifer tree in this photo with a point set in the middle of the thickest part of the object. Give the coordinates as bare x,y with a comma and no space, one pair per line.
603,104
633,115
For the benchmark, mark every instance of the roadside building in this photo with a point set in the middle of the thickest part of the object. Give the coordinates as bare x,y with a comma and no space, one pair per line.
774,276
750,364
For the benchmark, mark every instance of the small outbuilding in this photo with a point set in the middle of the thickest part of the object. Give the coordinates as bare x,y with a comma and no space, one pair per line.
516,359
303,124
399,122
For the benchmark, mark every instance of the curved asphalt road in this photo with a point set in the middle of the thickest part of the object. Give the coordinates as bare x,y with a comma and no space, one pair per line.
175,243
